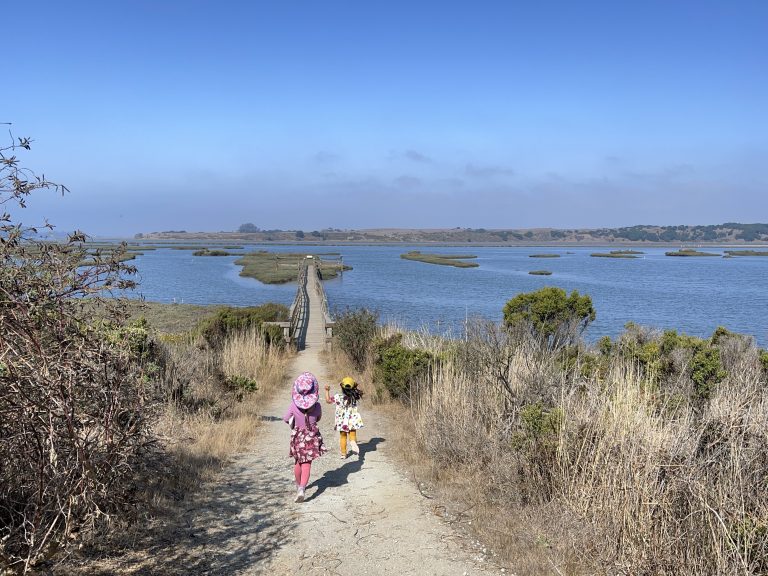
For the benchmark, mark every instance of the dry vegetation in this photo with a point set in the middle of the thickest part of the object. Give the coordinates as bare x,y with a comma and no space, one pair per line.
576,462
219,393
100,418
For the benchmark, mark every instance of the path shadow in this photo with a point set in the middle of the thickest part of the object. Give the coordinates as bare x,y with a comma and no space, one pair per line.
340,476
229,527
270,418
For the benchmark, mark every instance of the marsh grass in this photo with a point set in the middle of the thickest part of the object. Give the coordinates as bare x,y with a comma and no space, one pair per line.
212,252
746,253
687,252
618,254
282,267
441,259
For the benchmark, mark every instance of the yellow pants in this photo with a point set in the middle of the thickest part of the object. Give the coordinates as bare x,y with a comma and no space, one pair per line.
343,440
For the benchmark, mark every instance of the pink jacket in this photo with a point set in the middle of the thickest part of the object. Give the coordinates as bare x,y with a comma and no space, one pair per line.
313,415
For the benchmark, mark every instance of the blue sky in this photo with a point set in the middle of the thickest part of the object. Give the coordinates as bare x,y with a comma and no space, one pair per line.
304,115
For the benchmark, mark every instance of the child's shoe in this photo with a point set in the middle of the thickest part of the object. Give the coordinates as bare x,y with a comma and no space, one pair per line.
354,447
343,456
299,495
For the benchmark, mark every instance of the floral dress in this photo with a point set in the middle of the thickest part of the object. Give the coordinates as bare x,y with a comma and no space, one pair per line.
306,442
347,416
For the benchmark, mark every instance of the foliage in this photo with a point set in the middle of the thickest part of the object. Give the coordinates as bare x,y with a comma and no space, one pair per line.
209,252
397,368
74,397
282,267
689,253
242,383
706,371
229,320
248,228
354,331
441,259
555,318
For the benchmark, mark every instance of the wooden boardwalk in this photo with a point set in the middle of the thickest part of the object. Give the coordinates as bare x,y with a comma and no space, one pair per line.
316,322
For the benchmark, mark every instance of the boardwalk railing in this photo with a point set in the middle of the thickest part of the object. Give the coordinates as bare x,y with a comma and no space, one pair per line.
324,305
295,329
299,311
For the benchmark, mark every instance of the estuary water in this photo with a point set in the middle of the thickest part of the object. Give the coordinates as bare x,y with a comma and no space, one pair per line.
692,295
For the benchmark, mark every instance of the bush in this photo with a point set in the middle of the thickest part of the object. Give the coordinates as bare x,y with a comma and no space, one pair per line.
242,383
764,360
555,318
354,330
706,371
73,396
397,368
230,320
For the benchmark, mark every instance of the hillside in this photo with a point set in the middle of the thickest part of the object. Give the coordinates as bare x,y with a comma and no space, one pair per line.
730,232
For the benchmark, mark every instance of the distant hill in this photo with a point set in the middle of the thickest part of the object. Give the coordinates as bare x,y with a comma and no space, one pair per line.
728,233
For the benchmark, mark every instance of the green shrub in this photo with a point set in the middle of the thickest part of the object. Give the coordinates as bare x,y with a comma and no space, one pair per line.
706,371
397,367
537,443
551,315
354,331
575,360
764,359
230,320
242,383
540,423
605,346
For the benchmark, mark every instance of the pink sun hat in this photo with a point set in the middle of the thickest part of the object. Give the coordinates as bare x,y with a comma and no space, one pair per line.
306,391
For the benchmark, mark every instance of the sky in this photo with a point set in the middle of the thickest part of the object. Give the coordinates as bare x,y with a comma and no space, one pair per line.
204,115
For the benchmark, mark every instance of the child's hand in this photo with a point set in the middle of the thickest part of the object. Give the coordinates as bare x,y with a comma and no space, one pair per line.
327,387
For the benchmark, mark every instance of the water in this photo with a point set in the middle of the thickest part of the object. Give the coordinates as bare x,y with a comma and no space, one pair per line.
693,295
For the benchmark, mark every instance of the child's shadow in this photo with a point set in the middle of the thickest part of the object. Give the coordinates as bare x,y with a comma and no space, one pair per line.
340,476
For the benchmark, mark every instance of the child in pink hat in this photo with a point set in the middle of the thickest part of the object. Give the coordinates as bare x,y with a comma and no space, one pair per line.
306,441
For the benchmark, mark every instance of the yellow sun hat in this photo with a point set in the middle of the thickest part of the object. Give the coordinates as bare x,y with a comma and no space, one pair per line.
348,383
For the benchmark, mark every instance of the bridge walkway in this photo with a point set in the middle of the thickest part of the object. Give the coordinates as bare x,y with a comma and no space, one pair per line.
317,321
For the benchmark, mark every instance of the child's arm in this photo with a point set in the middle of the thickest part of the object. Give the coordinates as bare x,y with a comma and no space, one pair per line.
289,413
328,398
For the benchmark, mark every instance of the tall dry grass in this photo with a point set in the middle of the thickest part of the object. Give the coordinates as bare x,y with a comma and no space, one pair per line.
214,418
597,474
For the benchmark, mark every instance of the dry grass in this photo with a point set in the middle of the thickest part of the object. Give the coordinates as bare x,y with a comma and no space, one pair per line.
567,474
217,420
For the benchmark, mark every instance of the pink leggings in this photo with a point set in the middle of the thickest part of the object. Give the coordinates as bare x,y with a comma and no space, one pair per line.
301,472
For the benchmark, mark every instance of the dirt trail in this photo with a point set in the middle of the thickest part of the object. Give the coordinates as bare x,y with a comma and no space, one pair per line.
361,515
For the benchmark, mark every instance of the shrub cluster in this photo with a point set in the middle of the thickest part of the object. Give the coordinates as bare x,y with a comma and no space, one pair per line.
75,393
657,442
354,331
397,369
230,320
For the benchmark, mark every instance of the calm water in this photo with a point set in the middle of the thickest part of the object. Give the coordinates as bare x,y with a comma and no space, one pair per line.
693,295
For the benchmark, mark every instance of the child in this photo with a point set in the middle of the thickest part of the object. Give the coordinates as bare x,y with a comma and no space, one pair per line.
306,441
348,420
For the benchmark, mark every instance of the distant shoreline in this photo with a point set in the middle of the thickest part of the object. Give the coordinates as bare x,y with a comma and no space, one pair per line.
728,234
552,244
